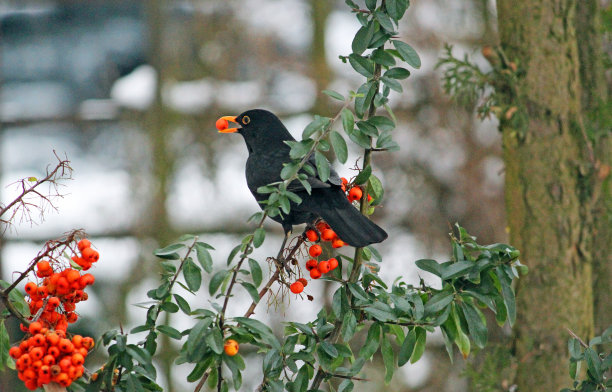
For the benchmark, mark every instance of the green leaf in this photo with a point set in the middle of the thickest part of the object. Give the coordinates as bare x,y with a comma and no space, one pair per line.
372,342
348,121
252,290
329,349
509,298
349,323
192,274
169,252
362,65
346,386
318,124
340,147
419,346
407,53
5,345
429,265
258,237
438,302
388,358
455,270
214,339
362,38
182,303
396,8
371,4
322,166
204,257
256,273
261,329
476,324
385,21
334,95
407,348
397,73
365,93
289,170
381,122
392,84
593,364
363,175
380,314
299,149
216,280
574,349
380,56
376,189
169,331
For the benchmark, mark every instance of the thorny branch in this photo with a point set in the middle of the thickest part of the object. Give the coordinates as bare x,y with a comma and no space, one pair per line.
32,198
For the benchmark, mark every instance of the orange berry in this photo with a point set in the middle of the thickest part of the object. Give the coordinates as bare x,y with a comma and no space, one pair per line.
31,384
54,351
53,302
77,340
35,327
315,250
72,275
369,198
15,352
84,243
66,345
296,287
88,342
221,124
48,360
62,379
312,235
44,371
38,339
90,255
344,180
43,265
72,317
337,243
355,194
322,226
315,273
328,235
231,347
36,353
310,264
333,263
303,281
77,359
30,288
323,267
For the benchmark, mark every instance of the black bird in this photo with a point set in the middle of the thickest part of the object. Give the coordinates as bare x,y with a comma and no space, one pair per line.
265,135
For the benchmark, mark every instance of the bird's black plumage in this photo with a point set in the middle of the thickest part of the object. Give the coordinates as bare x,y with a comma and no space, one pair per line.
265,135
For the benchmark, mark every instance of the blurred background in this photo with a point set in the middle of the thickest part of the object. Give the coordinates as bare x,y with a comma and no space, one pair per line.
129,92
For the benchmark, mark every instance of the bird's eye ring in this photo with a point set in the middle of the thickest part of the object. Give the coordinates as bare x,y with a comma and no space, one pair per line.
246,120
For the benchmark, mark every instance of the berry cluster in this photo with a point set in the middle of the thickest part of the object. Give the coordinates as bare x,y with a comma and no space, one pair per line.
354,191
46,354
49,356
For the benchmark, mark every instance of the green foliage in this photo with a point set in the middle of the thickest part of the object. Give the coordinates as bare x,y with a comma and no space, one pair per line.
597,363
490,92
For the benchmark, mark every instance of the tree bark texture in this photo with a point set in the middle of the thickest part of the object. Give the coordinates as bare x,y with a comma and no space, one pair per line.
550,174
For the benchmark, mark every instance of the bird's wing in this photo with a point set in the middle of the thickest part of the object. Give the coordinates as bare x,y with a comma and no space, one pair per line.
315,181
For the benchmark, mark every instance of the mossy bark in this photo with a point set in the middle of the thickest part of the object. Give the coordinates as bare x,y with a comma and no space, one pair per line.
548,192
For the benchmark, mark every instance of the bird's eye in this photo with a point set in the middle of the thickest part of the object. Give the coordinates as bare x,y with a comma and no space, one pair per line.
246,120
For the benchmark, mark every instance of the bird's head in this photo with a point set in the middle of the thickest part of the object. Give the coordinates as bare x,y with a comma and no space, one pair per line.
260,128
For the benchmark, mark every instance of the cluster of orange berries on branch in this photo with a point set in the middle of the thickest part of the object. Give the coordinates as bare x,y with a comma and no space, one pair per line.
49,356
46,354
354,192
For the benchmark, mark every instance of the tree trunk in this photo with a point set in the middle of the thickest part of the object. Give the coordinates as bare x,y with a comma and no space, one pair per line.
548,188
598,123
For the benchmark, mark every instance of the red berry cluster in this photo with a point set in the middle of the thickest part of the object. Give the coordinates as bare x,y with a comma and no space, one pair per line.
318,268
46,355
49,356
354,191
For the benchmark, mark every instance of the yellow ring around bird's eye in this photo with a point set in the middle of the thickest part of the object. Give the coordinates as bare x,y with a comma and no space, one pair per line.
246,120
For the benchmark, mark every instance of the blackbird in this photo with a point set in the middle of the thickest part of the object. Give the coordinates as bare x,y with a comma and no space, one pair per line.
265,135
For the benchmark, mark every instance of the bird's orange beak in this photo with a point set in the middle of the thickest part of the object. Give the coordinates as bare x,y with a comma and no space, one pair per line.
222,124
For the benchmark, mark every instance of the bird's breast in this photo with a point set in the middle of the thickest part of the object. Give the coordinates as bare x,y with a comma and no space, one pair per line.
263,169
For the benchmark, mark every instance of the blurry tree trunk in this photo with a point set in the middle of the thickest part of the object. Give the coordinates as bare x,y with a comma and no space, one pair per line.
320,71
158,225
598,124
551,187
